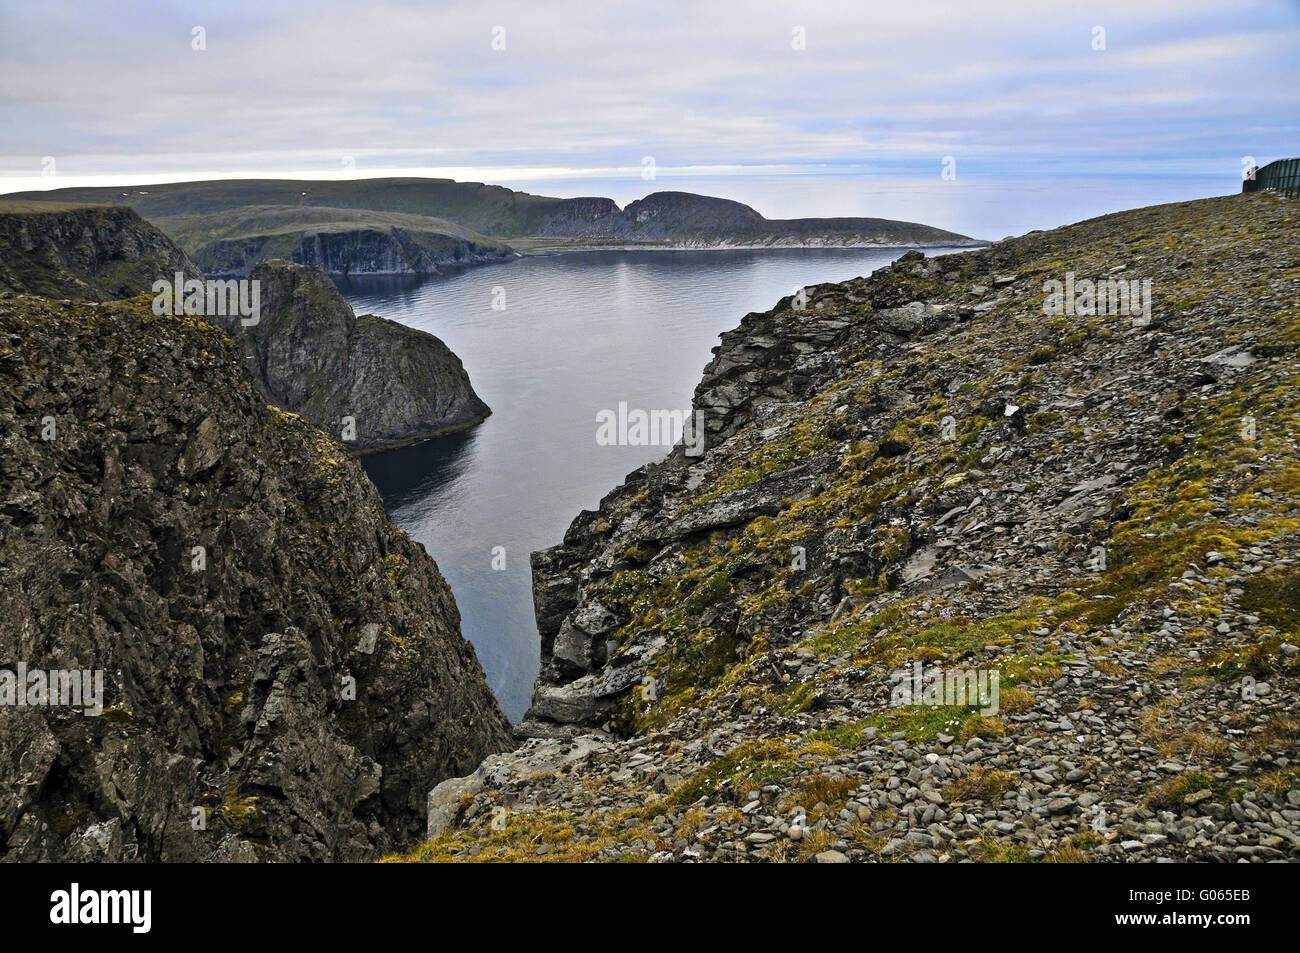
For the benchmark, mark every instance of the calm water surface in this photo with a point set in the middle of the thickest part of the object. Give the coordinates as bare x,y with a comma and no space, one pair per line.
579,333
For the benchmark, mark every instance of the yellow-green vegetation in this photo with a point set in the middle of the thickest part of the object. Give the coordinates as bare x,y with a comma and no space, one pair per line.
753,763
1277,783
1173,794
982,784
1173,513
918,723
819,795
527,836
1275,597
1074,851
238,810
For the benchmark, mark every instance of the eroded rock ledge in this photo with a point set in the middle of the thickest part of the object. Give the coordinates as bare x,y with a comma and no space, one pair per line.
766,367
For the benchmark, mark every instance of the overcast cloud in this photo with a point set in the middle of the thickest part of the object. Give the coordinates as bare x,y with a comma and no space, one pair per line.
589,89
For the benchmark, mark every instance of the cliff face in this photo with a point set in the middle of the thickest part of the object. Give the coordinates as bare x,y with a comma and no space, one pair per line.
91,252
311,355
925,476
283,675
338,241
367,251
683,219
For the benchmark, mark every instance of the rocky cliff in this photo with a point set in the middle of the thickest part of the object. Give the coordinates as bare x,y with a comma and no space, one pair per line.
338,241
282,672
309,354
84,251
936,476
365,251
686,220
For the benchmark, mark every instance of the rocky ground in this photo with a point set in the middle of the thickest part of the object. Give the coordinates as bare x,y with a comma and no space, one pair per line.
923,468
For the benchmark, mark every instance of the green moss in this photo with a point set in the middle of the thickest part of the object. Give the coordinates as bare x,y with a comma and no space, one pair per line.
715,589
1259,660
798,697
1173,794
752,764
919,723
1274,597
908,636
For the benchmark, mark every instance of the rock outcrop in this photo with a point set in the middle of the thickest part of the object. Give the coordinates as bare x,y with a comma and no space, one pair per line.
364,251
98,253
347,242
283,675
930,477
309,354
686,220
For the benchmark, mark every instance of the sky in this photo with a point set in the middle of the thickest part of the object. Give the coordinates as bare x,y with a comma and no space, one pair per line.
571,94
